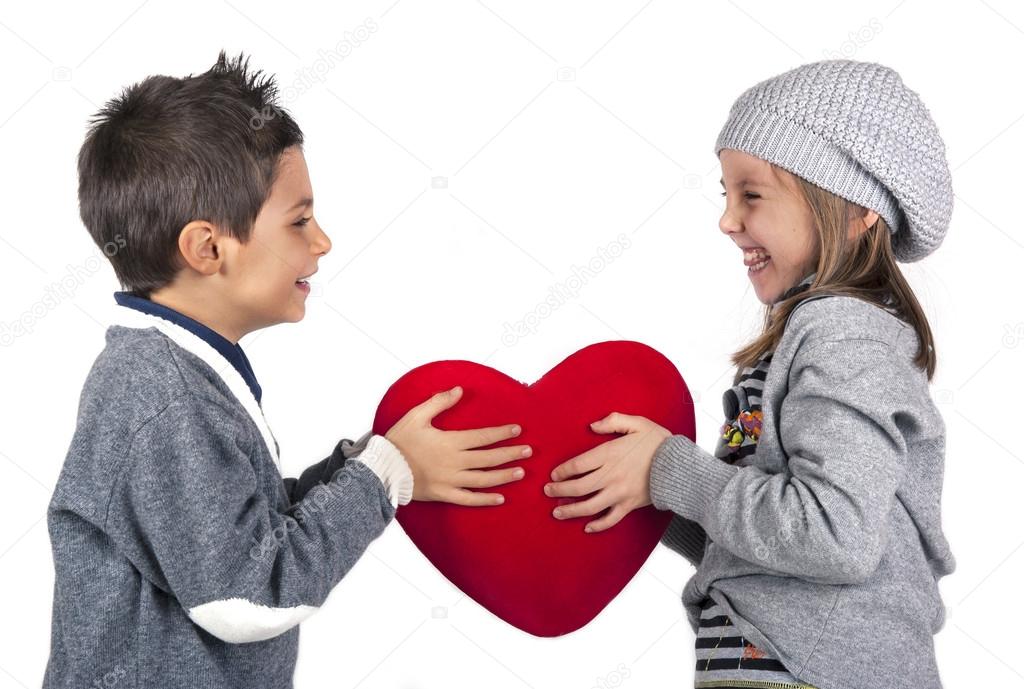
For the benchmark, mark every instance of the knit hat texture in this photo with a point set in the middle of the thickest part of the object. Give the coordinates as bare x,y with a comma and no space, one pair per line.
854,129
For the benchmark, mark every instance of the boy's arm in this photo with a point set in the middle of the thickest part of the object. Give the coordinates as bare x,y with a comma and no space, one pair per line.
322,471
191,515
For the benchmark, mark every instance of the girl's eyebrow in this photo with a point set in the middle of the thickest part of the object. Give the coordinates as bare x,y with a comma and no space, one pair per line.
743,182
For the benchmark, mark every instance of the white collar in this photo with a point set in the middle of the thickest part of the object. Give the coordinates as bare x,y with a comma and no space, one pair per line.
186,339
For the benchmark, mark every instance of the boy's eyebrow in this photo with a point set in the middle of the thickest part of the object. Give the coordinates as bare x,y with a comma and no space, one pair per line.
308,201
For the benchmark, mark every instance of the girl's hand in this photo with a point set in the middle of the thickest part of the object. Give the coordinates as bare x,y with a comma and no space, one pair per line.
443,463
619,472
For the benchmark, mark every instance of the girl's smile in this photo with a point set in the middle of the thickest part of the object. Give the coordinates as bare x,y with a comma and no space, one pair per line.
769,220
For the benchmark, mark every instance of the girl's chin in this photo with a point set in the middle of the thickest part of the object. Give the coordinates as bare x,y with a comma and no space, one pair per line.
765,290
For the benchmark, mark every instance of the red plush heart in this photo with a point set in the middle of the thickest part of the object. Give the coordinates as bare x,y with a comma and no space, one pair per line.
543,575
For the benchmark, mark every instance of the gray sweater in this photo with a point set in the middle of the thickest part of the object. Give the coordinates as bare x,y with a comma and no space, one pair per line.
825,546
181,556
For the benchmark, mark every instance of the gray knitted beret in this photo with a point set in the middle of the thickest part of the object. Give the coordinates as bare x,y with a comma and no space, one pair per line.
852,128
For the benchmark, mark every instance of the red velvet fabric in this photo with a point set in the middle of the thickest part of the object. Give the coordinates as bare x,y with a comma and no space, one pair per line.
543,575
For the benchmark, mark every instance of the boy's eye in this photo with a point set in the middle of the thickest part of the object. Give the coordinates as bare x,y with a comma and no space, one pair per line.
302,221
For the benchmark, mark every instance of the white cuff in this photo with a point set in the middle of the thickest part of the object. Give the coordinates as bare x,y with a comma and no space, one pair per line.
386,460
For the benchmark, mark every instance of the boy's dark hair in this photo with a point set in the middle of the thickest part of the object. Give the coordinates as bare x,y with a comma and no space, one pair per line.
171,150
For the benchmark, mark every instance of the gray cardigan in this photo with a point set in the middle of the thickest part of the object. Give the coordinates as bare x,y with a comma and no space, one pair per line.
826,544
182,559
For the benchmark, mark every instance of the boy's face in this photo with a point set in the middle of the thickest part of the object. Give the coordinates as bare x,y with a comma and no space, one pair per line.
284,247
768,211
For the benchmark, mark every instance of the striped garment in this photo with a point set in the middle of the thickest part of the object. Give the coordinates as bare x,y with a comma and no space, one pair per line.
725,659
864,615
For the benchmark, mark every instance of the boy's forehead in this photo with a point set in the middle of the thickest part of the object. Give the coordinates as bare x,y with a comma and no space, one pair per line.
291,189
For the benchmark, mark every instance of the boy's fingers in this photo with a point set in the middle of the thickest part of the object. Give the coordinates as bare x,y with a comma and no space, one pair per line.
489,479
478,459
481,437
468,498
439,402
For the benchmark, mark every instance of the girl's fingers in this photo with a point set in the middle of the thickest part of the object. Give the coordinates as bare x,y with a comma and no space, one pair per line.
617,423
489,479
614,516
481,437
574,488
469,498
478,459
580,464
584,508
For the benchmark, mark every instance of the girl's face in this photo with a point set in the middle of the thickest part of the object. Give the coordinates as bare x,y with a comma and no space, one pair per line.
766,210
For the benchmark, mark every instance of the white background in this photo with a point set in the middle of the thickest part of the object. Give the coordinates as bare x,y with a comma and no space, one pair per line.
465,157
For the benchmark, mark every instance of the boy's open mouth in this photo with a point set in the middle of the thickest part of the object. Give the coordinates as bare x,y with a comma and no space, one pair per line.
303,283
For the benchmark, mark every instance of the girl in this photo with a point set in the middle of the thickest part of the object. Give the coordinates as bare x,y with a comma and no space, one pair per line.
815,524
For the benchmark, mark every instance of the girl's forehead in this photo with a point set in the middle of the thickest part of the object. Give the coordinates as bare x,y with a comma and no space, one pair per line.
744,164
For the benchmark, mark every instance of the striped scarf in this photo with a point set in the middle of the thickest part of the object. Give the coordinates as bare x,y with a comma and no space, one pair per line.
738,436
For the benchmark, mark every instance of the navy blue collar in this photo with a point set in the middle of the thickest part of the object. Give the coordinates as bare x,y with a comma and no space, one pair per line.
801,286
232,352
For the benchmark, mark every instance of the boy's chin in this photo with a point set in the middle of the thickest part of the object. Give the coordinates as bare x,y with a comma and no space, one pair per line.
296,315
293,314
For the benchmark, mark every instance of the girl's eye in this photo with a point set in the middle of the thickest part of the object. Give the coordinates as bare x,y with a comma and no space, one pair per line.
749,195
302,222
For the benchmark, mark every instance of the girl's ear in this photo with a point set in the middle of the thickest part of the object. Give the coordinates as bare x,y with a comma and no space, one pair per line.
861,220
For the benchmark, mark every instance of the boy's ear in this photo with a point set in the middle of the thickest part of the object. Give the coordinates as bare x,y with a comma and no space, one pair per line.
201,244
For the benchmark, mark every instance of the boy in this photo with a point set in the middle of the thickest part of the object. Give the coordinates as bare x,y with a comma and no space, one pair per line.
182,558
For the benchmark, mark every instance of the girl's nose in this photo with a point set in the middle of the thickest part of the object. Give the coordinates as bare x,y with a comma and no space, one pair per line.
728,223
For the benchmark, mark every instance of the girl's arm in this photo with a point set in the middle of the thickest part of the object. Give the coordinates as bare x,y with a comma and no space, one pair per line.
687,538
826,518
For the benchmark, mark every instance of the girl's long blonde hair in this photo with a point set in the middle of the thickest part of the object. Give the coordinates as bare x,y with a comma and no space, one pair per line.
863,268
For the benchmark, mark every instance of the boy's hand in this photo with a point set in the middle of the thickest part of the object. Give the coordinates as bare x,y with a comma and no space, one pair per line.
619,472
444,464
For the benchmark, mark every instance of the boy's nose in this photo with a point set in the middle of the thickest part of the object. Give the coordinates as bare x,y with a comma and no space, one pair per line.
322,242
